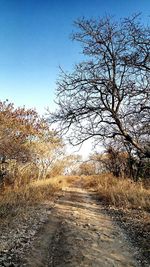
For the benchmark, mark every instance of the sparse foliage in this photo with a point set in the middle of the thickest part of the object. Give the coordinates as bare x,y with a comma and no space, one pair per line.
27,146
107,95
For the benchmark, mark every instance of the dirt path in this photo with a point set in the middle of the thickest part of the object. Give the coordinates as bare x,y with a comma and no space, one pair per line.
79,233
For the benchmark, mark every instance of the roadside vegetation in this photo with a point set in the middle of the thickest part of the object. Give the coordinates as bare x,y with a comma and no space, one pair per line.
12,201
116,192
33,163
31,156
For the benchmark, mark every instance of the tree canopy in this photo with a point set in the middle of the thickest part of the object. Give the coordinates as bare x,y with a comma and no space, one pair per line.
107,95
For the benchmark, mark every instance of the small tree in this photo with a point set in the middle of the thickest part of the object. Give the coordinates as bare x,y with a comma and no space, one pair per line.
47,149
18,127
21,130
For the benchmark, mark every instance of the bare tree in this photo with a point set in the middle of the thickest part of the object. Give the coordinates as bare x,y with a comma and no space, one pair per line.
108,95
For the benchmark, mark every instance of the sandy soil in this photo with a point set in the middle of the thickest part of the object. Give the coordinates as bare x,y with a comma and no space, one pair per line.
79,233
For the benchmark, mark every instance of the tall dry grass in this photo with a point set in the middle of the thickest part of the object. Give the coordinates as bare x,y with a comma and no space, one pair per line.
14,199
120,192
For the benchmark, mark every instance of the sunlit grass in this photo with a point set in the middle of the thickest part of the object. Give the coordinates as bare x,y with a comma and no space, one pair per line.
119,192
12,199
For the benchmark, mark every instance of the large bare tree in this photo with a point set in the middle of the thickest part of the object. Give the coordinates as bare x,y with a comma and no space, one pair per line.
108,94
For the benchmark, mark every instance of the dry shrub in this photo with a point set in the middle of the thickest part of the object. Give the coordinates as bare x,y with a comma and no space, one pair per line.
120,192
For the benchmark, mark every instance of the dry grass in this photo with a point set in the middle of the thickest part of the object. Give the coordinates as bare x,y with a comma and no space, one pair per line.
11,200
120,192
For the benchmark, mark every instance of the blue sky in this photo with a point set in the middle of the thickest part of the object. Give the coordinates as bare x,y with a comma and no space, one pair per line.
34,41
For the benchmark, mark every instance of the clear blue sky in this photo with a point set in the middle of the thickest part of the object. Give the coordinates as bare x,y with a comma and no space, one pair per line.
34,41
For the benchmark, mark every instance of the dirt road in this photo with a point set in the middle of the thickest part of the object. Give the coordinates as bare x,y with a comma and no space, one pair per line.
79,233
